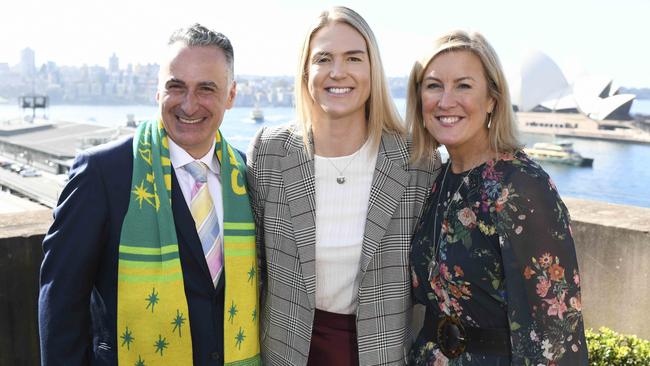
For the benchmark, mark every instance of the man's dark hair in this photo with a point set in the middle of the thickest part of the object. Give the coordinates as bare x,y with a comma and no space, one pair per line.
197,35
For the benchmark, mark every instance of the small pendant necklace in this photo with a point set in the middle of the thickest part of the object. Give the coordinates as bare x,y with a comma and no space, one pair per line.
435,260
340,179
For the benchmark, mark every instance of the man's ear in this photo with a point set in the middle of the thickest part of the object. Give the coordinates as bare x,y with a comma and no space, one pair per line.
232,93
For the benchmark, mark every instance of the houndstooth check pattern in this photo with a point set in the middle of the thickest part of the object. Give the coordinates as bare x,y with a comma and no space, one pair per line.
281,179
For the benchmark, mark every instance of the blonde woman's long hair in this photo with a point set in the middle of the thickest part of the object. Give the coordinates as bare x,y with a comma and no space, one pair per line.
381,112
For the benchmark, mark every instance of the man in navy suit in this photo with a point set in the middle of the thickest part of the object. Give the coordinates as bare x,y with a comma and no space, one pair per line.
78,296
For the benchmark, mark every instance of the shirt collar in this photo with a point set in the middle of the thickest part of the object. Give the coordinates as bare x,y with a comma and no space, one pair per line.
179,157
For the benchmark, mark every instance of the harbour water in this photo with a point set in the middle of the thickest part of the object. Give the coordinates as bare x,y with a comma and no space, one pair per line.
620,173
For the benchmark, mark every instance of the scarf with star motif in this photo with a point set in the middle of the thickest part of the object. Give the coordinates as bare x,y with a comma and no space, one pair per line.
152,315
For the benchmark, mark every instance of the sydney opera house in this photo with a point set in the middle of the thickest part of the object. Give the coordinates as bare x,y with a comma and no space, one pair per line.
542,87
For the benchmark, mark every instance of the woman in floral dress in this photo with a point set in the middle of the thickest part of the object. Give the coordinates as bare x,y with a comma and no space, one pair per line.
492,258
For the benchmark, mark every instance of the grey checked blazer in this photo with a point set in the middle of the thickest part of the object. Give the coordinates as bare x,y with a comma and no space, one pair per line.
281,179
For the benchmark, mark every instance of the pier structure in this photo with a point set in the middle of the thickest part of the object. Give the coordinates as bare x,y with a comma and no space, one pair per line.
580,126
34,102
52,145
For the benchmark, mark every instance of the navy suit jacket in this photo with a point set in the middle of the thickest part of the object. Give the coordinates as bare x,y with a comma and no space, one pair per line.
78,293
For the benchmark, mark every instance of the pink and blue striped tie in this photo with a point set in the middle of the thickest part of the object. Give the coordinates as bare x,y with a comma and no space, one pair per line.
206,219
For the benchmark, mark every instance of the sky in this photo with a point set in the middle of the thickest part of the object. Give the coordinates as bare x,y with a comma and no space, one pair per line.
583,37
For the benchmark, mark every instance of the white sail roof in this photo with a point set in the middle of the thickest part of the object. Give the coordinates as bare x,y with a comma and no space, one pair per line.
542,83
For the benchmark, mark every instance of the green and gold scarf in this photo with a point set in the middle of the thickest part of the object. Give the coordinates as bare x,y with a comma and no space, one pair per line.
152,317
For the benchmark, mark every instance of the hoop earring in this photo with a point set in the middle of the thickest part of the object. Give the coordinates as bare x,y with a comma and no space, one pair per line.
489,124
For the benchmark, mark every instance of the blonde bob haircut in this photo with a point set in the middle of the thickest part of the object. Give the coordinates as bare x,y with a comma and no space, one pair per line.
503,130
381,112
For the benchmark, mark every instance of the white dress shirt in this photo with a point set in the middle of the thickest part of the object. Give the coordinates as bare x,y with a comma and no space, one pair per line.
180,158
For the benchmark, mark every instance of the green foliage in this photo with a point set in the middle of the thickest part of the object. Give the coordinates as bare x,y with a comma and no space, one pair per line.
607,348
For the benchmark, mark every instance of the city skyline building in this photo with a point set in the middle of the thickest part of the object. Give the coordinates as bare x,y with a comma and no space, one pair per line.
546,87
111,85
113,64
27,62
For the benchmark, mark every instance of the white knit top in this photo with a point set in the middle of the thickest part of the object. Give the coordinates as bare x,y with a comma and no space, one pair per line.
341,211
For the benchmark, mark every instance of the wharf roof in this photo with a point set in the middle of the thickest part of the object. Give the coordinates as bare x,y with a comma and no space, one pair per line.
14,204
63,139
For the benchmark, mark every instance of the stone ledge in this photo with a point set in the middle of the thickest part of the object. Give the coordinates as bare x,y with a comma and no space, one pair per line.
609,214
25,224
581,210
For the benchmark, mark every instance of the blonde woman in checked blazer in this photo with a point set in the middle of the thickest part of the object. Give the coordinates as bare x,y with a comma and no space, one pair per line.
336,199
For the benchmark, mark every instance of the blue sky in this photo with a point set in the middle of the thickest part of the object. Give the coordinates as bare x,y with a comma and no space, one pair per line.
593,37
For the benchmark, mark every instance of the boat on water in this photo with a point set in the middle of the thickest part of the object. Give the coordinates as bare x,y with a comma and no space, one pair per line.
257,114
559,152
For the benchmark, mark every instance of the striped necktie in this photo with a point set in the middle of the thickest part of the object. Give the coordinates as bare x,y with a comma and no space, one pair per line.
206,219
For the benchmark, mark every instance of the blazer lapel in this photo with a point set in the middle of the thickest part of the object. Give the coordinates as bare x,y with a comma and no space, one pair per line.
185,227
298,177
388,185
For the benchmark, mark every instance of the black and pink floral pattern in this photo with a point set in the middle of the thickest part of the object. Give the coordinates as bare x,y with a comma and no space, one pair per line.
506,259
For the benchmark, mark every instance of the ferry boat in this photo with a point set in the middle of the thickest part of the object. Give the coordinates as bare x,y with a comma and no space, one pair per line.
257,114
559,152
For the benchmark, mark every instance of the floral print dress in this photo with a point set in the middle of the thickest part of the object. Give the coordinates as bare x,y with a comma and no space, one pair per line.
506,259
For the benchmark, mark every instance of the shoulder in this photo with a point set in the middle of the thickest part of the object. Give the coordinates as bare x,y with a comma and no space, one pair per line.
523,182
276,141
100,171
105,160
287,135
115,150
518,169
397,147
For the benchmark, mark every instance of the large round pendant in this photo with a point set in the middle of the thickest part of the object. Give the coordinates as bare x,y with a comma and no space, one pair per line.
340,179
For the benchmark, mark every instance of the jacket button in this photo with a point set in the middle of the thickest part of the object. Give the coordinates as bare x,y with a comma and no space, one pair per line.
215,356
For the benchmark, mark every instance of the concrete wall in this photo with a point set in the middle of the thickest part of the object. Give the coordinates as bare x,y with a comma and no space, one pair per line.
612,241
613,246
20,257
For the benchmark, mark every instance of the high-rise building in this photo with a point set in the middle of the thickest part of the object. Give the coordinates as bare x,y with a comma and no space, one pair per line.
27,62
113,64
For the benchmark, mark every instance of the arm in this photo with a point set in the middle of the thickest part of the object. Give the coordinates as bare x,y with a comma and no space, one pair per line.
72,249
541,272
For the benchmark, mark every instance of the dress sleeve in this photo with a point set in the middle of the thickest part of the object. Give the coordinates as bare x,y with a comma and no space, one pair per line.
541,271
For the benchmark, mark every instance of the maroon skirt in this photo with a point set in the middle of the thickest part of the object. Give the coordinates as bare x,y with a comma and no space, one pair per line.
333,340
